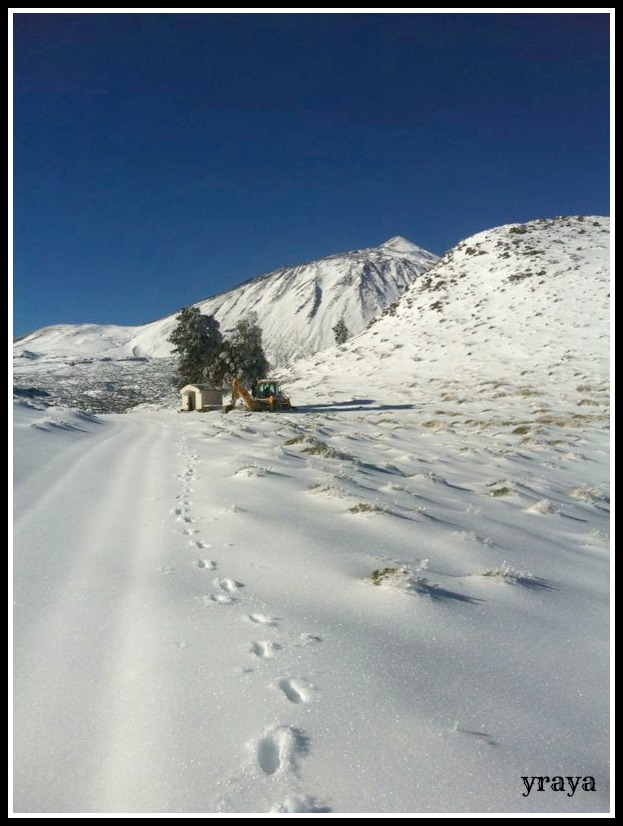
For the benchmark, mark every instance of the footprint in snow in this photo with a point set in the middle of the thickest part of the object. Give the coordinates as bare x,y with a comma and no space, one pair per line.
300,805
309,639
264,649
279,749
262,619
296,690
220,599
228,585
166,569
187,474
201,544
205,564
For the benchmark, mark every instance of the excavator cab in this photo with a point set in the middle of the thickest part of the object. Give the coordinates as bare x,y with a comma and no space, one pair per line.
265,389
269,392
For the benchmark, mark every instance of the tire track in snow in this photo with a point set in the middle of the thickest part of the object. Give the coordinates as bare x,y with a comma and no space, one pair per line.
139,702
81,628
78,531
52,475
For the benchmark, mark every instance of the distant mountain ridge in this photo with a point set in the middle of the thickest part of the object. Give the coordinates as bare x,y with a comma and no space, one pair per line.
297,307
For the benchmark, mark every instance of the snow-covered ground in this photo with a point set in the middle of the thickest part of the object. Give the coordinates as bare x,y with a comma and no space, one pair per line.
197,630
394,599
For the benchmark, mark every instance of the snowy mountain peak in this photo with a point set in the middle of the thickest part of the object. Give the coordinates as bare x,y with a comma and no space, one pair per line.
400,244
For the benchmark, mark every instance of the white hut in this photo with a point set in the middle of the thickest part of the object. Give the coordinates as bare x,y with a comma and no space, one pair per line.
200,397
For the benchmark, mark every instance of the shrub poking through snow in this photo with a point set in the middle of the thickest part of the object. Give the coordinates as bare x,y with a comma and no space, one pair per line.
513,576
544,506
317,448
411,581
295,440
506,573
364,507
402,577
502,491
380,574
499,488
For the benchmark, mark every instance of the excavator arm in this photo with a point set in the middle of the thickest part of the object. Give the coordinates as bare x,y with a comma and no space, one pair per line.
239,392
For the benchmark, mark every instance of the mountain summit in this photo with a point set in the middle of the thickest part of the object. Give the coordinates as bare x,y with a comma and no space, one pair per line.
400,244
297,307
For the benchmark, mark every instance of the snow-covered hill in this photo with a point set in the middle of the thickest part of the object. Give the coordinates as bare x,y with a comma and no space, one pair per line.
522,309
297,308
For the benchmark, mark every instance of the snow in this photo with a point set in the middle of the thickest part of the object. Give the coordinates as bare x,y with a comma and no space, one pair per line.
400,244
393,599
298,307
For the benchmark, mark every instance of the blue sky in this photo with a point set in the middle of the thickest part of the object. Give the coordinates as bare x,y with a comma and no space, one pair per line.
160,158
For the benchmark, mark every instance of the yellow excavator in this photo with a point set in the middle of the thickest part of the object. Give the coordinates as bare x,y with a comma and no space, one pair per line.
265,394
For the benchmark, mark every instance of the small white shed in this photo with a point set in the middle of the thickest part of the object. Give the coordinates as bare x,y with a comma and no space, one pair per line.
200,397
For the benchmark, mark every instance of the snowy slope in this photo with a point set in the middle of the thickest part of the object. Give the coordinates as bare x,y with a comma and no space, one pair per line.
522,308
197,624
297,307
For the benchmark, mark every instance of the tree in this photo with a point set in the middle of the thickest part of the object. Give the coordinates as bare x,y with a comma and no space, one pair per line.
341,332
241,356
217,370
205,357
243,352
197,340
